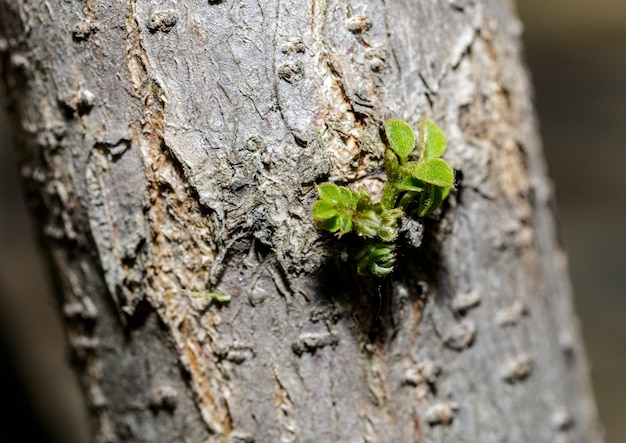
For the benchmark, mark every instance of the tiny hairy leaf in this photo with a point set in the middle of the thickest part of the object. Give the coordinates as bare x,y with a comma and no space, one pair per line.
329,191
435,171
348,197
388,231
323,210
401,137
412,184
367,223
432,142
331,225
376,258
220,298
431,200
365,203
346,223
409,201
336,208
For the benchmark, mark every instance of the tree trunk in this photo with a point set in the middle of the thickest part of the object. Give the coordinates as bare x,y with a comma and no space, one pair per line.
170,147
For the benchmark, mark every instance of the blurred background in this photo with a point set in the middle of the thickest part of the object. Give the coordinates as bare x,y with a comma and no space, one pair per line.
576,53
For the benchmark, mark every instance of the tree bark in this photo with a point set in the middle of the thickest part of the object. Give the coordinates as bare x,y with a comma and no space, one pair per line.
173,146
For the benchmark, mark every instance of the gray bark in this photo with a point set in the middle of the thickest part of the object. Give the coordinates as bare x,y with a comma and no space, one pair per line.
170,145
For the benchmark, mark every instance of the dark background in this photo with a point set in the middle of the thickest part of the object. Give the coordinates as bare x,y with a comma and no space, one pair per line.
576,53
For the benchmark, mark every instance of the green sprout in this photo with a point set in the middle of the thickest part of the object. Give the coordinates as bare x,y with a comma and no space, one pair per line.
414,188
220,298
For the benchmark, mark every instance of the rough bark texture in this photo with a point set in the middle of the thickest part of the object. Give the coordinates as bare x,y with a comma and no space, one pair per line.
171,145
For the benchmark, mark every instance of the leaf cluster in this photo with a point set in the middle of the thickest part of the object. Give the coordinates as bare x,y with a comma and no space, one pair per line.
414,188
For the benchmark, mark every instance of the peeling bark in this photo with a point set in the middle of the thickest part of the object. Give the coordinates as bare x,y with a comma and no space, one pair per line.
170,147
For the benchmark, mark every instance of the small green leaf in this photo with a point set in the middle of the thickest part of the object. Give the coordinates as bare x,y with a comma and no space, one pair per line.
412,184
409,201
435,171
329,191
323,210
336,208
400,136
431,140
220,298
388,231
332,224
347,197
380,270
364,203
431,200
367,223
345,225
376,258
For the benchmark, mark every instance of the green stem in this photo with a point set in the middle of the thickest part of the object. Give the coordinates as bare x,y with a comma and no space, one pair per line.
391,190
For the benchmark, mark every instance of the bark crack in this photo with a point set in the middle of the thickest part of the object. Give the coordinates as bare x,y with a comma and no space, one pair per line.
174,203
